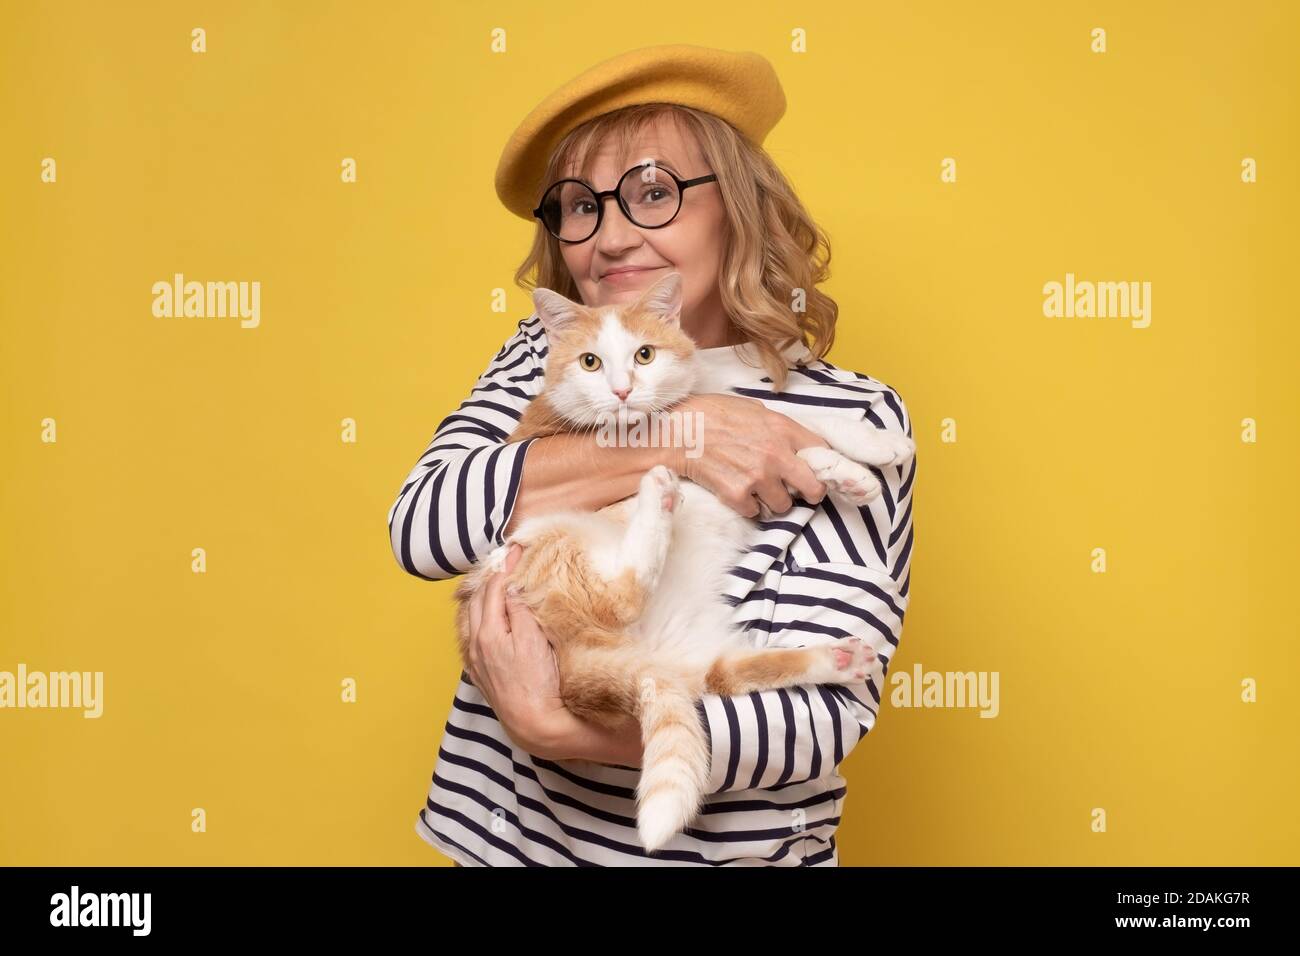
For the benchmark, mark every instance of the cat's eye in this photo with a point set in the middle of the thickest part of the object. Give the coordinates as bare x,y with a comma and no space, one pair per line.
645,354
589,360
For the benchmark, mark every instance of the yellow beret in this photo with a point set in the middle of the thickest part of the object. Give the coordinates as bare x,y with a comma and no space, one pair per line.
740,87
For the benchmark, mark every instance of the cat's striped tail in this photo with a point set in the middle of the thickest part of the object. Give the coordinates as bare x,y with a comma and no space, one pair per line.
675,765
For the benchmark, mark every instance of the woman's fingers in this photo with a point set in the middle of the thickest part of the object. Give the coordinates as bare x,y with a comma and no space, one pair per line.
512,556
488,620
479,598
492,627
803,437
794,470
744,502
799,476
519,618
752,465
494,606
507,602
772,493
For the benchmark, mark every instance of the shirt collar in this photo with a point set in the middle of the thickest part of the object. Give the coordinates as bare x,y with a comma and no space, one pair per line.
725,365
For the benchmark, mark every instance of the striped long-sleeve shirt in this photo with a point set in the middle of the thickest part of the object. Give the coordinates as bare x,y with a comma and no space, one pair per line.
813,574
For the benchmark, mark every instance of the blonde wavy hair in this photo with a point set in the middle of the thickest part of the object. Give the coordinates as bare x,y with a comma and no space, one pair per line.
774,247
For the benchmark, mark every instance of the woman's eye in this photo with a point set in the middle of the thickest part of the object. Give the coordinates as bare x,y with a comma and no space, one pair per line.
589,361
645,354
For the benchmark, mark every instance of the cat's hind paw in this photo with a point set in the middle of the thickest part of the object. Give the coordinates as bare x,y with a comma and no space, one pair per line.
845,661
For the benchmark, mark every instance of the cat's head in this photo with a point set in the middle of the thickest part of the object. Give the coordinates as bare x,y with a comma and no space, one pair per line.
631,356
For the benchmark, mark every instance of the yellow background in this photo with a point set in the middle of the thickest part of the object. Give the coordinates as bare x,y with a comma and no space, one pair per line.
1118,690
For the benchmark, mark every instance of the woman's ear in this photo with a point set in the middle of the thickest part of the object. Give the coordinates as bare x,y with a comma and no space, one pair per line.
663,300
555,311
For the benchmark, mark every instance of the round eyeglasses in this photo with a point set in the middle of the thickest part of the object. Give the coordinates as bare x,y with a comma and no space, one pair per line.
649,195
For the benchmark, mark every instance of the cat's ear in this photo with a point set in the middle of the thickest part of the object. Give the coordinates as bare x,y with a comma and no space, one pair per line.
663,299
555,311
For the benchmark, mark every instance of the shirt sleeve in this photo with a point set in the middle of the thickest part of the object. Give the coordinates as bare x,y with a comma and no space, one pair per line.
793,735
457,500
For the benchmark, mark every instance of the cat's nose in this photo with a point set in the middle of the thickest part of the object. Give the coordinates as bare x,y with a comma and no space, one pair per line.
623,393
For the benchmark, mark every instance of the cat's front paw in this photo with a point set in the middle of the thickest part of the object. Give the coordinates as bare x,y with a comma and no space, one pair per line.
889,448
661,487
850,482
859,489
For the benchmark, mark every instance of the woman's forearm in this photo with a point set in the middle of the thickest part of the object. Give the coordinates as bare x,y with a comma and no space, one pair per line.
571,471
579,739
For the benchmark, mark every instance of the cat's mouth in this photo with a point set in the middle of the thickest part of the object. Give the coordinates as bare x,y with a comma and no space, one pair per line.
646,405
628,413
633,407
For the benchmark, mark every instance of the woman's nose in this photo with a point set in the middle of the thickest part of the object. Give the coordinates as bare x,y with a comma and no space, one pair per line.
616,233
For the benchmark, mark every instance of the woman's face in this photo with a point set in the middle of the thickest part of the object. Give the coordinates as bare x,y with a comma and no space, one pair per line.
691,244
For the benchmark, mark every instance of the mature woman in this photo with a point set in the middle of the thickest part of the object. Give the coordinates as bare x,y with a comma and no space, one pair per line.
520,780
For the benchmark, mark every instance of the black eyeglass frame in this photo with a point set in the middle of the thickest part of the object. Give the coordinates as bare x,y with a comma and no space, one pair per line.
617,193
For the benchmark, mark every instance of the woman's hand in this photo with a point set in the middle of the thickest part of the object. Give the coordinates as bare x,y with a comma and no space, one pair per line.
511,662
748,455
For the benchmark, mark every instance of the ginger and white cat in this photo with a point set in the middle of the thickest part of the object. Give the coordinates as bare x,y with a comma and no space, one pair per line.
631,596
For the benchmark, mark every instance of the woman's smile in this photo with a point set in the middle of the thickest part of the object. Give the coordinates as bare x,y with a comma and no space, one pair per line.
629,277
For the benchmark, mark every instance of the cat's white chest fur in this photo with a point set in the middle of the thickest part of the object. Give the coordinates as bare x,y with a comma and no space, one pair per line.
687,618
682,558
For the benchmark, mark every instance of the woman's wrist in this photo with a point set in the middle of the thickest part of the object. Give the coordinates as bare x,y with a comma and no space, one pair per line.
572,471
572,738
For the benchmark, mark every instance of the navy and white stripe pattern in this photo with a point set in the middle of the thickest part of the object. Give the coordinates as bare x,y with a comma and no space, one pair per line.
813,574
